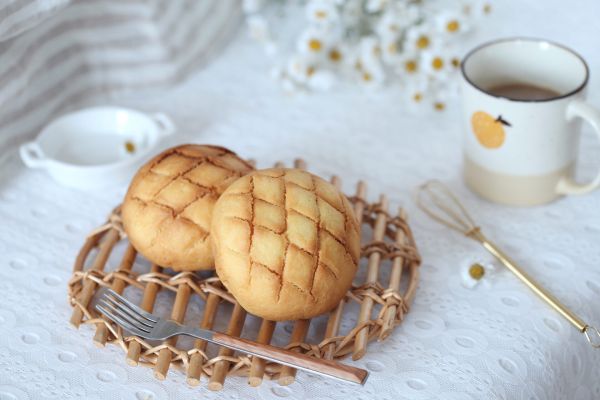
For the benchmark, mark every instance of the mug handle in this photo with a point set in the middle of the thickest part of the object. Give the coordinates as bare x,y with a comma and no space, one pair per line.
32,155
581,109
167,127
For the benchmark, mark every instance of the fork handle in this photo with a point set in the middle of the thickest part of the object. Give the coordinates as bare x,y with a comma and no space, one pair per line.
301,361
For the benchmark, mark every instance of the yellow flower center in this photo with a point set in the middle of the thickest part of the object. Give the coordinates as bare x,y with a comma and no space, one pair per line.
455,62
417,97
453,26
410,66
315,45
310,70
438,105
376,51
129,147
423,42
437,63
320,14
392,48
487,8
367,77
476,271
335,55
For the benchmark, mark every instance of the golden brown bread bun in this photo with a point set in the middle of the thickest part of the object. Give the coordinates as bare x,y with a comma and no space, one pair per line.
286,243
168,207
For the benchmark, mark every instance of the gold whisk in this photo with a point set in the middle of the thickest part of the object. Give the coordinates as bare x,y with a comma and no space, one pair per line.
437,201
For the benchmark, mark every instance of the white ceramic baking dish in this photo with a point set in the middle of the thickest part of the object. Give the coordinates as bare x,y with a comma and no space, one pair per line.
96,147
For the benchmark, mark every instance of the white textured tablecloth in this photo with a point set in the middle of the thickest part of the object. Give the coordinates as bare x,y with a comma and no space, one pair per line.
496,341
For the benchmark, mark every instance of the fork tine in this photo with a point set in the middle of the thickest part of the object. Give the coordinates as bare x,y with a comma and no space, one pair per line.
131,314
121,322
124,317
132,306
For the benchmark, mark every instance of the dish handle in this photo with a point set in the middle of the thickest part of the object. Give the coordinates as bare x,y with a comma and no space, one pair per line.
32,155
166,125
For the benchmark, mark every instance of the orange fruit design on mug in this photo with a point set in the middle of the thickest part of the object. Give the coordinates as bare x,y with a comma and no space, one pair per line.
488,130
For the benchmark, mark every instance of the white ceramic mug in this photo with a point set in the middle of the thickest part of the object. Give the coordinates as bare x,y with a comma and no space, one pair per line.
523,152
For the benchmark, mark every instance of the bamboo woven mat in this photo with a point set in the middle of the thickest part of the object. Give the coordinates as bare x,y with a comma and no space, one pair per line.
382,292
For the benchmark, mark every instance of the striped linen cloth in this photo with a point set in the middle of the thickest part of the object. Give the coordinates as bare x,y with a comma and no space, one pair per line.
59,55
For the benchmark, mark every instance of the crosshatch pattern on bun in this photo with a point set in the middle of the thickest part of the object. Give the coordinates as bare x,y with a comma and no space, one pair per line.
168,208
286,243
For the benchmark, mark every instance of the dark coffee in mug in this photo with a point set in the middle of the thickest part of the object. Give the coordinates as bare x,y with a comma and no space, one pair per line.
523,91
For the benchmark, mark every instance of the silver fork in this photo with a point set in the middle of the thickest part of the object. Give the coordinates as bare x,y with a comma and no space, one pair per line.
149,326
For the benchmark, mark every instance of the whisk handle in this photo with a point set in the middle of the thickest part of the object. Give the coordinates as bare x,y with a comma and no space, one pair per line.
538,289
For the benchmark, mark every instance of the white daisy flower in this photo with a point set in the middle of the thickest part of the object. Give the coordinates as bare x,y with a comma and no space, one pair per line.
370,41
370,50
337,54
389,26
420,38
451,23
436,62
416,90
258,28
322,11
475,9
442,92
408,64
313,42
453,58
390,51
299,69
368,63
439,103
316,41
372,75
474,273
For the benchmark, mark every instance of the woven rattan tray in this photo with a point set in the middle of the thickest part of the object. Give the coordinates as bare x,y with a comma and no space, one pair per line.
383,289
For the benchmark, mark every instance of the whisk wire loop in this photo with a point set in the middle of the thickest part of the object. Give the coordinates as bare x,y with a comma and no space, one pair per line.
437,201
